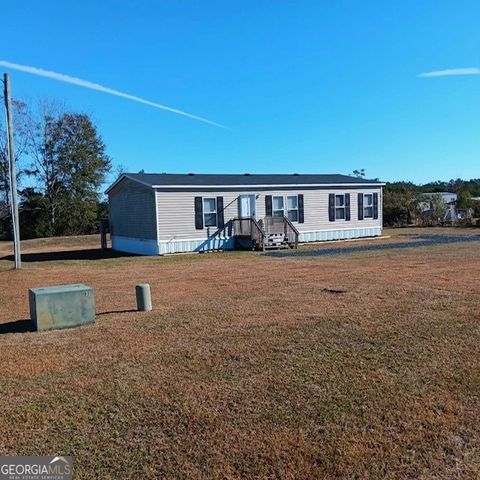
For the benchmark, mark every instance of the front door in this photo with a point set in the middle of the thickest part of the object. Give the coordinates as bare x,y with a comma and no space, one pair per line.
246,205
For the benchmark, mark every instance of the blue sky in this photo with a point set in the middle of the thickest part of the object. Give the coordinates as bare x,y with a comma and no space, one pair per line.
304,86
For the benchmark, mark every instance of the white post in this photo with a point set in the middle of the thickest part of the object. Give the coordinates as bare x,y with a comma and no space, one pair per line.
144,297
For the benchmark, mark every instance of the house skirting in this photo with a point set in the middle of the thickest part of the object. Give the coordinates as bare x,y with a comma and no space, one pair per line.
228,243
134,245
152,247
343,234
196,245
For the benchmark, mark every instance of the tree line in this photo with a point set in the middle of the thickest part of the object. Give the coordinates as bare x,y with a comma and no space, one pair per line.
402,200
61,166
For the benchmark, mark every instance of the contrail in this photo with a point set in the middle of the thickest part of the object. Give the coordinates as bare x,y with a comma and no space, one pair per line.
450,72
100,88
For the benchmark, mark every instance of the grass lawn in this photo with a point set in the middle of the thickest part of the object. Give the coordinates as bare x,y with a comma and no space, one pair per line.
247,367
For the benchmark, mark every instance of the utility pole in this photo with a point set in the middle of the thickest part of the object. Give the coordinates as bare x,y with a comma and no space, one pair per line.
13,172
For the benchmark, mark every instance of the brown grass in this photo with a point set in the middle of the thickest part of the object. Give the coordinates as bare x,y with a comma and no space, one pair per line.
247,368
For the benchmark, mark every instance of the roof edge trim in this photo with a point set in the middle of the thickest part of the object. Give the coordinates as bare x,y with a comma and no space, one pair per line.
283,185
122,177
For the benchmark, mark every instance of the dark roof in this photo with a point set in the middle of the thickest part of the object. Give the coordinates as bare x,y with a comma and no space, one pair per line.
194,180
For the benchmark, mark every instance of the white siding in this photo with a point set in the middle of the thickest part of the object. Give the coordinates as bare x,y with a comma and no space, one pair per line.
176,213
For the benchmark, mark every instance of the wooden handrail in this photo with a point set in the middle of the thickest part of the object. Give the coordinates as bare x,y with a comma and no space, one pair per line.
290,230
248,226
258,227
282,225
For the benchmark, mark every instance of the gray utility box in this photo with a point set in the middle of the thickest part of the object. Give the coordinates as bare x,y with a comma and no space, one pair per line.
63,306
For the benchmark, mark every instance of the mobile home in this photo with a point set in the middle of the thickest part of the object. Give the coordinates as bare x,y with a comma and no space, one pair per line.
156,214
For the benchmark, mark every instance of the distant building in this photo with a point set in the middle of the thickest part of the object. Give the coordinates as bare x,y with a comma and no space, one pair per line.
452,213
448,198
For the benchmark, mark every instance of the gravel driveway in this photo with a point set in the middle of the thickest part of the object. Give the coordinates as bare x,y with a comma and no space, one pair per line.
418,241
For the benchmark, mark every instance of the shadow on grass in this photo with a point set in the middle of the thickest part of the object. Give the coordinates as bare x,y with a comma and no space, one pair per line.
23,326
116,311
17,326
84,254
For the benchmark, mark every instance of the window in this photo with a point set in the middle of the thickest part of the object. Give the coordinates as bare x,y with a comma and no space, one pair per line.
278,207
292,208
339,207
368,205
210,212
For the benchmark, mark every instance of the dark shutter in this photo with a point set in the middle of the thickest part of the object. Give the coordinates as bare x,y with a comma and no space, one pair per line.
220,220
375,205
198,213
360,206
301,216
347,207
331,207
268,205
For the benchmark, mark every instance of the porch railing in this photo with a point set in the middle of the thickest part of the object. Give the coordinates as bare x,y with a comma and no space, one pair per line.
249,227
261,232
291,233
281,226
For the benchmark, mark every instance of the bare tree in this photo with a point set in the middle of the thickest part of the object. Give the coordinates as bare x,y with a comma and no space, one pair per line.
50,178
